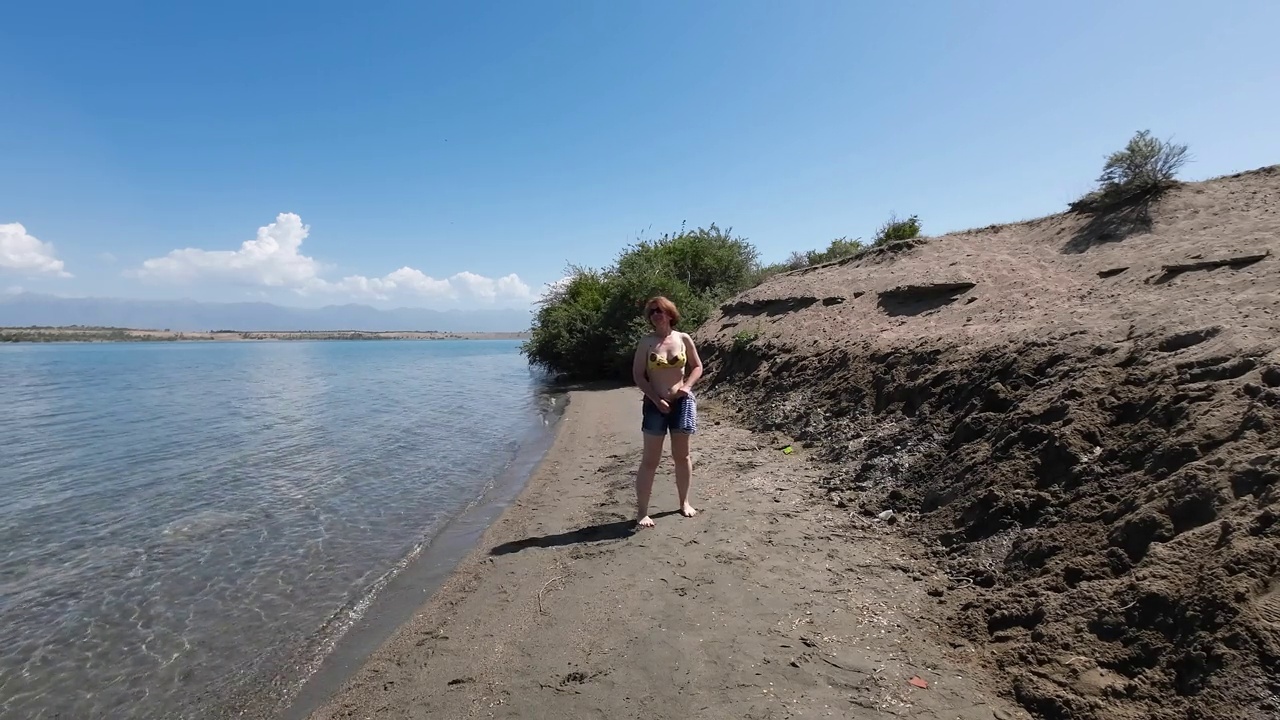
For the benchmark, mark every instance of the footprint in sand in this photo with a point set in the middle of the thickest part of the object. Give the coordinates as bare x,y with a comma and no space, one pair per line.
1268,607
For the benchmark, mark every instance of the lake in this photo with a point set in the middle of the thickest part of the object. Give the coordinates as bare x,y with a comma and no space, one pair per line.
179,521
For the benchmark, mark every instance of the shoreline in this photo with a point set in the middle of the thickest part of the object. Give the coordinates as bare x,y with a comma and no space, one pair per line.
342,644
395,602
561,609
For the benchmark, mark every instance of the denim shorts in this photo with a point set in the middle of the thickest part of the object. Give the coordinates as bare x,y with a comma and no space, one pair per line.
682,419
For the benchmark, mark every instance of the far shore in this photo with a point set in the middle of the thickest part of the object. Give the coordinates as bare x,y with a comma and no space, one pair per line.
112,334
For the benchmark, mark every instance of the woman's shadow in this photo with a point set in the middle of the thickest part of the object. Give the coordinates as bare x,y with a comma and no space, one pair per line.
616,530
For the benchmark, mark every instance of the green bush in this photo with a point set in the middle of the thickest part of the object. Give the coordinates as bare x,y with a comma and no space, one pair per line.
797,260
1145,166
587,328
838,249
767,271
743,339
894,230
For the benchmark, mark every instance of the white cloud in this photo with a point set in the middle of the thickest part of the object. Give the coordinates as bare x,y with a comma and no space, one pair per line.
556,286
14,290
411,282
274,259
271,259
24,253
488,289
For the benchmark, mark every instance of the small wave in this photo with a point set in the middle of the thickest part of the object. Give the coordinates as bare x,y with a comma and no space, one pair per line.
340,622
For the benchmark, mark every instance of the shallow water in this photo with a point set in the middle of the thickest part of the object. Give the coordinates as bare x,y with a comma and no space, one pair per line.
179,521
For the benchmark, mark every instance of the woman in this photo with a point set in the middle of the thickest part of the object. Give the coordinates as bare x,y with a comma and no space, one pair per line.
665,367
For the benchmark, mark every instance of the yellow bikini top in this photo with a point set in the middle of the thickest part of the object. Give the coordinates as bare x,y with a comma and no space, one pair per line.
657,361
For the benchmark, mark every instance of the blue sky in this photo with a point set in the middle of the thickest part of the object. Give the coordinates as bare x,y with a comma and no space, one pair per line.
461,154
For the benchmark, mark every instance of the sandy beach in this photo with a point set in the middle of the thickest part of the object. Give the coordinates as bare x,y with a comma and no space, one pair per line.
772,603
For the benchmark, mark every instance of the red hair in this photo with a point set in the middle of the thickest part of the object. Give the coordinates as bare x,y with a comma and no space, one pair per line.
666,306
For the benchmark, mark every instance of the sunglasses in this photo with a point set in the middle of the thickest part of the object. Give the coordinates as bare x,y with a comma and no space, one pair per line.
655,311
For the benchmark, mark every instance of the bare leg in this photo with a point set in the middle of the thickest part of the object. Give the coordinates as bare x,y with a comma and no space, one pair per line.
644,477
684,471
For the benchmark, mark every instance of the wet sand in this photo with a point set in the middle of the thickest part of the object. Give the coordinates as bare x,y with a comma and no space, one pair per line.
771,603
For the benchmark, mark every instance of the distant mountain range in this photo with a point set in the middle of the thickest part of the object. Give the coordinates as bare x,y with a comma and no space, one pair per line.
24,309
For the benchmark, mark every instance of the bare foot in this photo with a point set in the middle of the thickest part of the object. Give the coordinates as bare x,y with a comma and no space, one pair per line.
645,522
688,510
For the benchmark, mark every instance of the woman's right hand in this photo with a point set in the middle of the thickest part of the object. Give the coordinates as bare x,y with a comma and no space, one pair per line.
664,407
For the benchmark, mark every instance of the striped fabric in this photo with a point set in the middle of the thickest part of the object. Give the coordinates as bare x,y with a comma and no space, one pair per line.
685,415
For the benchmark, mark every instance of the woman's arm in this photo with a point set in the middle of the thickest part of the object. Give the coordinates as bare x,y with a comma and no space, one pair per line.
639,375
695,362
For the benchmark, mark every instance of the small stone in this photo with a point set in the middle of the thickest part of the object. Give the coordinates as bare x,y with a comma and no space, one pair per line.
1271,376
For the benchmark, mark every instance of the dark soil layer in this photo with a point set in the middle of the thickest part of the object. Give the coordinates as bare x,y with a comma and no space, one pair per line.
1079,416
